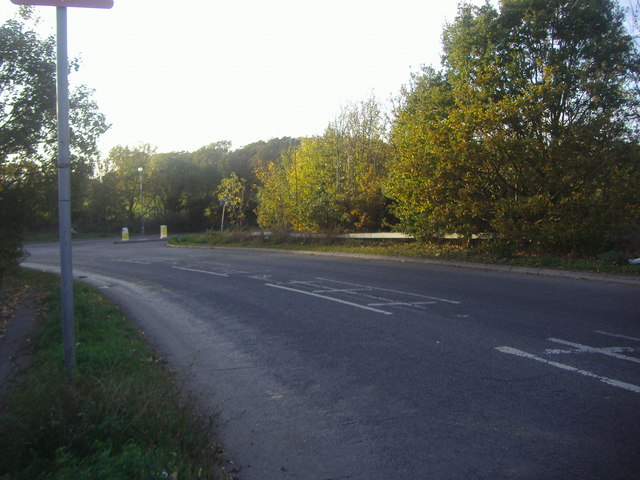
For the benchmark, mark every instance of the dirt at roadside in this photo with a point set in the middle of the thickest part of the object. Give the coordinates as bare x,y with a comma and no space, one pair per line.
9,305
18,315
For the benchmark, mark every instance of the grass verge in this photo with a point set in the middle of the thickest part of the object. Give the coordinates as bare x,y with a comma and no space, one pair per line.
606,262
122,416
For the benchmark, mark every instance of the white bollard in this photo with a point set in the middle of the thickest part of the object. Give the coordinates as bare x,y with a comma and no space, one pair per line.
163,231
125,234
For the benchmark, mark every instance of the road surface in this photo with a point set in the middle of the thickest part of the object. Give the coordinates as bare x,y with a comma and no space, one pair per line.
340,368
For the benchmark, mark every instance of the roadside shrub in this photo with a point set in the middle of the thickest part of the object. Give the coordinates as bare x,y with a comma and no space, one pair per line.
613,258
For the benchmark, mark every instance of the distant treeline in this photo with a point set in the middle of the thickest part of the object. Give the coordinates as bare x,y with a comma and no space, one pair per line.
528,131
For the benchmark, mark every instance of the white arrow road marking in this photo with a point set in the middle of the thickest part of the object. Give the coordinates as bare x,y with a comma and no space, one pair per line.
559,351
610,352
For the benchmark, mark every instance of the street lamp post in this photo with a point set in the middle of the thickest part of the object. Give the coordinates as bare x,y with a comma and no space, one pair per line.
140,169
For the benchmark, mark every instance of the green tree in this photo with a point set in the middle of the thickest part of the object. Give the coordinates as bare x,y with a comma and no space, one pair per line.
28,133
27,103
119,182
171,176
12,213
528,131
28,93
176,186
211,162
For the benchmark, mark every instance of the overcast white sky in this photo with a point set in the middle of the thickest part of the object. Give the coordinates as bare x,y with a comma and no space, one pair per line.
182,74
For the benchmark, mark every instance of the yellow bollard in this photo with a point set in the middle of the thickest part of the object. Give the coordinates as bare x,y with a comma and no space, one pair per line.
163,231
125,234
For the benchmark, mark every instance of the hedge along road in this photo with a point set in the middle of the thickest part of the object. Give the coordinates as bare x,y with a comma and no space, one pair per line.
342,368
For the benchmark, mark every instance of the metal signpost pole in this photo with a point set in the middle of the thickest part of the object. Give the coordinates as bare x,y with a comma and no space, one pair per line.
64,168
64,194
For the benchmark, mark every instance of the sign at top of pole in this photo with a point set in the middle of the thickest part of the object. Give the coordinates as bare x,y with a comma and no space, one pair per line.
67,3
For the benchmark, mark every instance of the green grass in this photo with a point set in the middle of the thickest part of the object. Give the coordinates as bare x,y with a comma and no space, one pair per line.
121,416
607,262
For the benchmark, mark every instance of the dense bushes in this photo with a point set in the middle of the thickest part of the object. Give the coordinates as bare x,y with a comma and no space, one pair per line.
527,132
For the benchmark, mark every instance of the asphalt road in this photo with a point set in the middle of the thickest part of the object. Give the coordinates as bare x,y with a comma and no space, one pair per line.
340,368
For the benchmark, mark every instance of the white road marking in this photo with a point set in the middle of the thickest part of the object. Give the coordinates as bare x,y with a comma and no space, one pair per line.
607,380
319,286
559,351
345,290
332,299
604,351
138,262
201,271
617,335
404,304
390,290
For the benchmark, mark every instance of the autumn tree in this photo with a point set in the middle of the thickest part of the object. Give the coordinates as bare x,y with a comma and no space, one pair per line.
355,145
276,196
527,131
249,163
231,192
331,182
